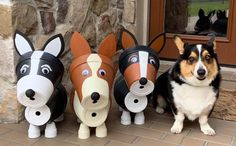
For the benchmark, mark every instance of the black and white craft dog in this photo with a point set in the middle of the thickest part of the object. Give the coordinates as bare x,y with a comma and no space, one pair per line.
39,88
191,86
138,65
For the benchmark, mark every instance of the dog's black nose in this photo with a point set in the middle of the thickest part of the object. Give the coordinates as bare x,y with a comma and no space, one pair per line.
143,81
201,72
95,97
30,93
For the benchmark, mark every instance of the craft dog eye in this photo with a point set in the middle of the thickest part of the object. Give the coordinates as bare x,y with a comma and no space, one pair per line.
85,72
46,69
102,72
24,69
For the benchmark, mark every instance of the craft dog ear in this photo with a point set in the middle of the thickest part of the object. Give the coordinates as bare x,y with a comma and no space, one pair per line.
22,43
79,45
127,39
179,43
108,46
158,43
55,45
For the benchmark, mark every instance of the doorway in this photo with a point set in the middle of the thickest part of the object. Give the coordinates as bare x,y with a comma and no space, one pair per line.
182,18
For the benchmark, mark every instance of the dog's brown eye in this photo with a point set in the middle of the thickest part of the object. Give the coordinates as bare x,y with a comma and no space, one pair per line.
191,60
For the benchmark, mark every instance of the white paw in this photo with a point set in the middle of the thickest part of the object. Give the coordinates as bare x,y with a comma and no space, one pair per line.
208,131
50,130
33,132
139,118
125,121
176,128
125,118
159,110
101,131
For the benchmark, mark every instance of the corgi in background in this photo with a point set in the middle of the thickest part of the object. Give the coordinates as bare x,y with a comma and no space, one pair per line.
191,87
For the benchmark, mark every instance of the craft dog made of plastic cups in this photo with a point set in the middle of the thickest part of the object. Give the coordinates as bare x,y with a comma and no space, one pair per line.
39,88
138,66
92,75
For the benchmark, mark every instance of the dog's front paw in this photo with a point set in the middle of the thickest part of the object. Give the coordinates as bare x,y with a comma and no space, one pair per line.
208,130
176,128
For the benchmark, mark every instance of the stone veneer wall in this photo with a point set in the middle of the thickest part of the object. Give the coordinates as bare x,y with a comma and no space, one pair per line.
40,19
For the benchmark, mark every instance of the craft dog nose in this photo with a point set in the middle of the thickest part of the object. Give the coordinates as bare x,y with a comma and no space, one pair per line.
30,93
143,81
201,72
95,96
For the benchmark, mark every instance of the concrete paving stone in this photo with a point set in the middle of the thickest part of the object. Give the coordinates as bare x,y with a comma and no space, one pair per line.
118,136
91,141
4,142
19,137
218,138
173,138
3,130
227,75
215,144
52,142
151,142
117,143
143,132
192,142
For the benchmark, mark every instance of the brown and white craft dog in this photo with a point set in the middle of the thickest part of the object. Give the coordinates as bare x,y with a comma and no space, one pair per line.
138,65
191,86
92,76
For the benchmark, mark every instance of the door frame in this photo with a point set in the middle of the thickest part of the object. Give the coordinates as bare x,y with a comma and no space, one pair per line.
225,45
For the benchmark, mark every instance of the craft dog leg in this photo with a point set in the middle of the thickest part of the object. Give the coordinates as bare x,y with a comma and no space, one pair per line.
125,118
84,131
51,130
139,118
101,131
33,131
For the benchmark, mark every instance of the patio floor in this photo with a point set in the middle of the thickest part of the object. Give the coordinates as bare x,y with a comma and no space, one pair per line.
155,131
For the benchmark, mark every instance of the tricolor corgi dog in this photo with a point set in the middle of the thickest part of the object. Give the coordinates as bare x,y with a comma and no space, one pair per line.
92,75
191,87
39,74
138,65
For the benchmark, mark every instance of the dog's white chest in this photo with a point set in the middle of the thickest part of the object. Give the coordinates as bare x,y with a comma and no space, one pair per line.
193,101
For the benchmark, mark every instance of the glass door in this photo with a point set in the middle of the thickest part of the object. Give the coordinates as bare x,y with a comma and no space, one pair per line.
195,21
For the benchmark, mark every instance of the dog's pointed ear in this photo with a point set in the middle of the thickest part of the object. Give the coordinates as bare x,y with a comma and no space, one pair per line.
22,43
201,13
54,45
108,46
79,45
158,43
179,43
212,42
127,39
